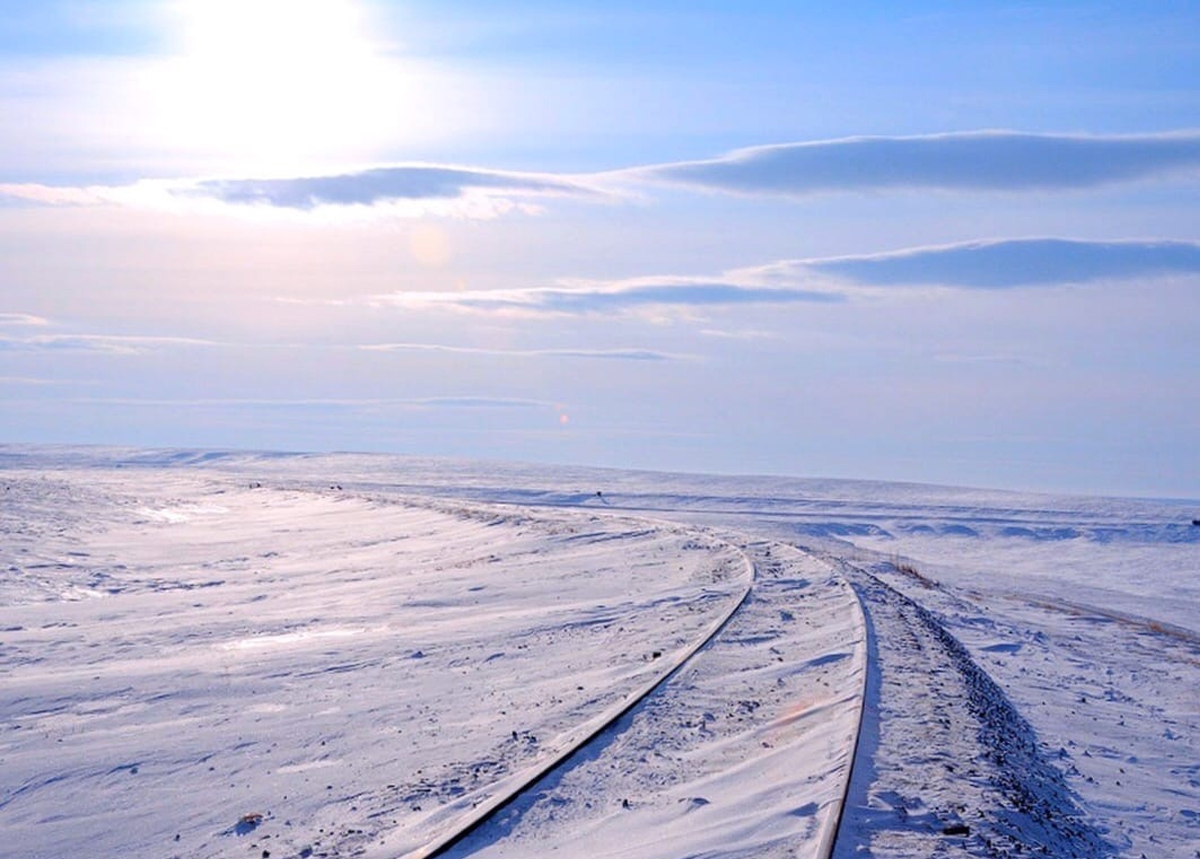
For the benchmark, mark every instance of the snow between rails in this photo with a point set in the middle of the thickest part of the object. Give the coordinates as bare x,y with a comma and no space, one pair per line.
744,752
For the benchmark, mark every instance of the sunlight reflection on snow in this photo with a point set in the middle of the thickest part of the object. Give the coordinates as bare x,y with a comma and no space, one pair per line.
177,515
260,641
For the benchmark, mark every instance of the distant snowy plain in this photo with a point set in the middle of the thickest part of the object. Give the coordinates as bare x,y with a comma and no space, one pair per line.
211,654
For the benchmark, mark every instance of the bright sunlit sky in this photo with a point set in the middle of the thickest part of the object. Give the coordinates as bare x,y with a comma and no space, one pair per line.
942,242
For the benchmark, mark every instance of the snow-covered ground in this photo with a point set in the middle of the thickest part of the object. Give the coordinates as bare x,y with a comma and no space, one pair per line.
376,653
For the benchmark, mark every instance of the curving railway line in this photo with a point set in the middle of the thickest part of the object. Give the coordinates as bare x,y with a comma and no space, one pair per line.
746,741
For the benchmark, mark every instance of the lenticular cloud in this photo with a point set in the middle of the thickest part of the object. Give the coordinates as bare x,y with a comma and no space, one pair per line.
382,184
971,161
1006,263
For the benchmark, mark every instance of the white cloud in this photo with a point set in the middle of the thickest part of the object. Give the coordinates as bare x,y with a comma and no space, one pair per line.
402,191
738,334
385,184
608,298
14,319
989,264
109,344
460,402
997,264
586,354
968,161
27,380
976,161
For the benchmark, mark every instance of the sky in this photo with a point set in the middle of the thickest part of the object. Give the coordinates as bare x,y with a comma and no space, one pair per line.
937,242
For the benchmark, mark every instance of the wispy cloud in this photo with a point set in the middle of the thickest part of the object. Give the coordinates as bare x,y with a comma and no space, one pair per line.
1002,360
467,402
989,264
968,161
14,319
973,161
407,190
996,264
49,195
605,298
383,184
109,344
585,354
142,194
27,380
738,334
478,403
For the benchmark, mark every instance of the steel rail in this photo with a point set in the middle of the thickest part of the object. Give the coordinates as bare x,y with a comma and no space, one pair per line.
516,784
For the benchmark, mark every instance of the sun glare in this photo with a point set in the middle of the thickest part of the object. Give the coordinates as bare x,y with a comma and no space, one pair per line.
278,83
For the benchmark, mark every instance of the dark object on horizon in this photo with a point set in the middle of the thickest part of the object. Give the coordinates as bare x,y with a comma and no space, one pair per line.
957,829
1196,522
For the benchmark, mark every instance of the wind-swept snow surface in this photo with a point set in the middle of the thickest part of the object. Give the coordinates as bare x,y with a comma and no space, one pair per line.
744,753
373,653
181,654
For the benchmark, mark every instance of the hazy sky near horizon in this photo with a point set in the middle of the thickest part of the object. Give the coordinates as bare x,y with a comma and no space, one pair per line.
951,243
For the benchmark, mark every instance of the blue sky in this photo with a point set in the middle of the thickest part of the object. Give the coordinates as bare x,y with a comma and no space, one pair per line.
954,243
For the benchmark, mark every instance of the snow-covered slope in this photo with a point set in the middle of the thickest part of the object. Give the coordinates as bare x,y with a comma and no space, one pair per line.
180,652
372,652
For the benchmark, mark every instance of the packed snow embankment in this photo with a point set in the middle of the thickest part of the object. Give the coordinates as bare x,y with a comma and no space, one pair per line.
198,668
743,752
946,764
1113,698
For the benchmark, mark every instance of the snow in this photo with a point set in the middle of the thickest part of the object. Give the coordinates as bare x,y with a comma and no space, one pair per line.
312,656
375,653
745,748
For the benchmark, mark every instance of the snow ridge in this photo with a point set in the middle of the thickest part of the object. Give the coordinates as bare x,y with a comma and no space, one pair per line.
995,793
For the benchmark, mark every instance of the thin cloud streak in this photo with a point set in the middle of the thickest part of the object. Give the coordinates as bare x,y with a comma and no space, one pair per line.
100,343
1002,264
587,354
965,161
323,402
27,380
479,403
740,334
611,298
404,191
143,194
385,184
986,360
988,264
10,319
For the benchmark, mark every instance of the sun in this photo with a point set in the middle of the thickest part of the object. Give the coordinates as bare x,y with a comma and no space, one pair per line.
278,83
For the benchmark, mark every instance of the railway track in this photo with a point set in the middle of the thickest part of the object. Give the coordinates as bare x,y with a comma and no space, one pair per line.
573,743
772,694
